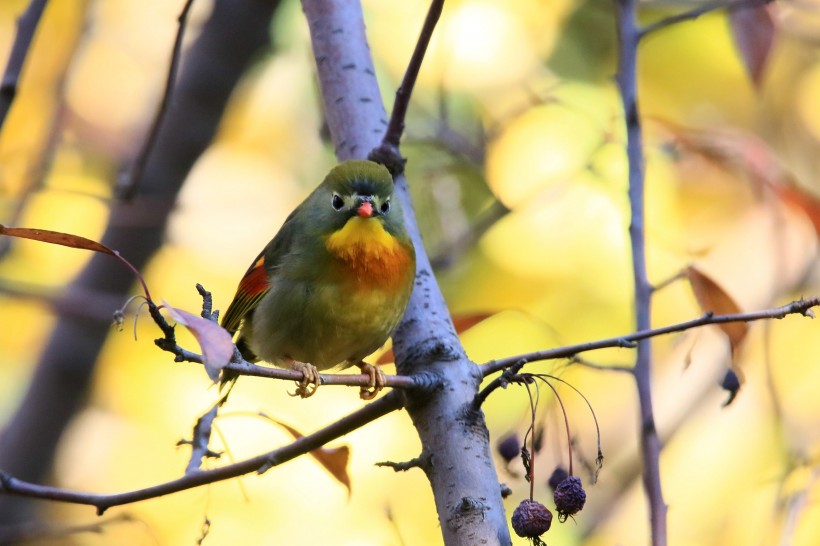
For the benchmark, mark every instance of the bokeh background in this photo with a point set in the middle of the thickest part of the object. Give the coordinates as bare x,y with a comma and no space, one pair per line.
518,171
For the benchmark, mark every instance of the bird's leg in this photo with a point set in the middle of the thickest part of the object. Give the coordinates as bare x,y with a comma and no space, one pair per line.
376,383
310,377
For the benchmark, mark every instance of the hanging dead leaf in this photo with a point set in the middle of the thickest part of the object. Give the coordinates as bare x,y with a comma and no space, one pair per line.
753,30
334,459
215,342
747,153
713,298
72,241
462,322
56,238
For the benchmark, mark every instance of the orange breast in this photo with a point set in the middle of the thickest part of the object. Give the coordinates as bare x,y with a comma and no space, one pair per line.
371,256
377,266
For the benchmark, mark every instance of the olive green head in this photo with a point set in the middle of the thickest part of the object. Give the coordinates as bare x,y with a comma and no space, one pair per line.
356,188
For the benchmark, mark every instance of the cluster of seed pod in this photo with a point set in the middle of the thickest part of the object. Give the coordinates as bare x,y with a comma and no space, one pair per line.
531,519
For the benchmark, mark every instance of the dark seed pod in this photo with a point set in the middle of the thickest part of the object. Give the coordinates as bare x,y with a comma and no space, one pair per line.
731,384
558,475
509,447
569,497
531,519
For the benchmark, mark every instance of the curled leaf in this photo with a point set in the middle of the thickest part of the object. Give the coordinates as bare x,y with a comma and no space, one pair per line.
334,459
56,238
713,298
215,342
753,30
461,322
72,241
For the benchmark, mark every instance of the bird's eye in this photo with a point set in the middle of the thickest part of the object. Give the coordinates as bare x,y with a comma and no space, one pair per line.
338,203
385,208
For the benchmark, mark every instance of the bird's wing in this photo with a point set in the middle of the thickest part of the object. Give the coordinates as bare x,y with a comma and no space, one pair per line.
251,288
256,282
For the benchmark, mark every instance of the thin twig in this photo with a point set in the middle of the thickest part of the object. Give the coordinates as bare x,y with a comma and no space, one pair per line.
129,184
564,413
9,485
513,364
26,26
699,11
201,437
387,153
650,446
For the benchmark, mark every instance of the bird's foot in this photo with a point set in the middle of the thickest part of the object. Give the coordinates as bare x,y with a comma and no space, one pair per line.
376,383
310,382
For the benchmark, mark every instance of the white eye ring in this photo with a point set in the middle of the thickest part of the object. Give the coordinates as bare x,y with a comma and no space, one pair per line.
385,208
337,202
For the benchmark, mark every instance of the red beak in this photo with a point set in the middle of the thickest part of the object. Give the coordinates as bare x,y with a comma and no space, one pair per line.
365,210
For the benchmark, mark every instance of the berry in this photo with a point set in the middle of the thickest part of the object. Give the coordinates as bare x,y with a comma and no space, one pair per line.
531,519
558,475
569,497
509,447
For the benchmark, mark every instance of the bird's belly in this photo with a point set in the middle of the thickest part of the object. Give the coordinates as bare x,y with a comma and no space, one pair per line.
325,325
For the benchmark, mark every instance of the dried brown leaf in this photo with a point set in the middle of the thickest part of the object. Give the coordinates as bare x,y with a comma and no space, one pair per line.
753,30
215,341
713,298
462,322
56,238
334,459
72,241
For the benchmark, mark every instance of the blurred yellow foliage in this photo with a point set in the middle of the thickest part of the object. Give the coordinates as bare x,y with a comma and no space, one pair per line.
554,270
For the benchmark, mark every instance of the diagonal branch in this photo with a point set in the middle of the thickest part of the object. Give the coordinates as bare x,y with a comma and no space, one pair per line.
387,153
26,26
9,485
694,13
130,184
513,364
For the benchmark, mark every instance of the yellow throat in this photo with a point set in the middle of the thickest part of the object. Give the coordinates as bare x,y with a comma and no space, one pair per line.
369,251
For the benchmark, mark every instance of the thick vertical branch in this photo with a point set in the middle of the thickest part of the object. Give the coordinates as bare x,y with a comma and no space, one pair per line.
26,26
650,445
453,433
60,382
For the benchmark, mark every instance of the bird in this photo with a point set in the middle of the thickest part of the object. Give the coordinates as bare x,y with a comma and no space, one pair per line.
333,283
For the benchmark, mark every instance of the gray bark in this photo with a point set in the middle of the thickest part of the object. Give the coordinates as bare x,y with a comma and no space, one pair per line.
456,450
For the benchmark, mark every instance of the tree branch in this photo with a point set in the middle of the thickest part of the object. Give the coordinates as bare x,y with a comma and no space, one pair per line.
447,424
9,485
387,153
26,26
694,13
59,384
626,77
513,364
129,185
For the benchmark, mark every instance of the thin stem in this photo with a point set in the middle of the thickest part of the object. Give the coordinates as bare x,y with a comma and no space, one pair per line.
699,11
566,420
650,445
388,151
531,434
514,363
130,185
600,457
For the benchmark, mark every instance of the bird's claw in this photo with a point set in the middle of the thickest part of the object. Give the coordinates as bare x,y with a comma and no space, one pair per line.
376,383
310,382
